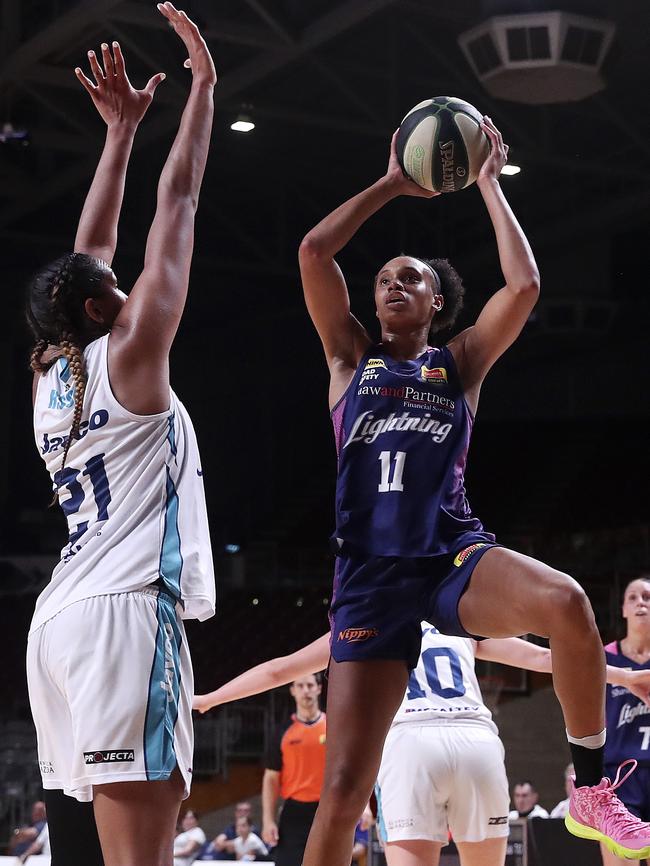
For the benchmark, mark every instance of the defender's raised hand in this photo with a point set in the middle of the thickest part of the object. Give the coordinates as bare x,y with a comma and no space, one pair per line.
200,60
112,94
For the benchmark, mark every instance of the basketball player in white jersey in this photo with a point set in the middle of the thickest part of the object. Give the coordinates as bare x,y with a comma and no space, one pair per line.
442,765
109,673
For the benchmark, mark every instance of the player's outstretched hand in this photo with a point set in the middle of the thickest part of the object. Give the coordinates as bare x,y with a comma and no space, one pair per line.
638,683
113,95
498,155
403,183
200,59
202,703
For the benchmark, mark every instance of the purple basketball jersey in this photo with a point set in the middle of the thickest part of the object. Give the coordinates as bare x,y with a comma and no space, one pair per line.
628,718
402,433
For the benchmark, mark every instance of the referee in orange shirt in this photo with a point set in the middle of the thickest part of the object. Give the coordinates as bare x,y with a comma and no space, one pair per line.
294,771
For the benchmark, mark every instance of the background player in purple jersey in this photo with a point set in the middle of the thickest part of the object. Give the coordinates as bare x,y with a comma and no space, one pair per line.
628,719
407,541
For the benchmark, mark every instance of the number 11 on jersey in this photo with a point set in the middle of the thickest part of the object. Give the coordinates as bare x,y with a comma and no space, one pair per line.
386,485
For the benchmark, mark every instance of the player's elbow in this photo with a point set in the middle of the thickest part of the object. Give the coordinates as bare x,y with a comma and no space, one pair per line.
311,249
528,285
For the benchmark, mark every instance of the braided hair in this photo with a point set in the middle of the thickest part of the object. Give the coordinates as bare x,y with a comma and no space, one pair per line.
56,316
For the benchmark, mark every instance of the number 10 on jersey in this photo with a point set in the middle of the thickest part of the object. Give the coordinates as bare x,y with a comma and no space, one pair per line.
386,459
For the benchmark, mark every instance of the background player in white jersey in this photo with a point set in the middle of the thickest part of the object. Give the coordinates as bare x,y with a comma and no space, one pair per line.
442,764
628,726
109,672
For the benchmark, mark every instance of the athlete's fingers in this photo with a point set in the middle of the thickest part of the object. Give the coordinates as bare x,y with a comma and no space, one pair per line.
120,65
153,82
96,68
107,60
87,83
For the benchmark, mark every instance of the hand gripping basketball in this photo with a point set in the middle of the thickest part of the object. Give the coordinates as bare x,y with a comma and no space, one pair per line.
498,156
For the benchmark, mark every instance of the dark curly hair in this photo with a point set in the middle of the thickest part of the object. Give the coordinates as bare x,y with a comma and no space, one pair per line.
451,289
56,317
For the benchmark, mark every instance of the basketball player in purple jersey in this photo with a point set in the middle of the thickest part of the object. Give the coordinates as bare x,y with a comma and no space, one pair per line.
628,725
409,547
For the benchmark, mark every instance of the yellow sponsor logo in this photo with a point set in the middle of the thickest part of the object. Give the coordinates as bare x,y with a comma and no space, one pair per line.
436,375
355,635
372,363
322,739
465,554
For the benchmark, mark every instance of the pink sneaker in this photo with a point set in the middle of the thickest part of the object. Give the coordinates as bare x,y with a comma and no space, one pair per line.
597,813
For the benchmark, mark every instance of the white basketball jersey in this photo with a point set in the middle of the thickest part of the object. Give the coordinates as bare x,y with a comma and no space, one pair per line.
131,491
443,685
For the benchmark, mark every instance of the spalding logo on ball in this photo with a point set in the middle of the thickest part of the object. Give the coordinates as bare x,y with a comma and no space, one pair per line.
440,144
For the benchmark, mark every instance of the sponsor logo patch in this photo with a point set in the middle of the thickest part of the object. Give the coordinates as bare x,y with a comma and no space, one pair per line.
46,767
502,819
322,739
102,756
465,554
372,368
400,823
435,375
356,635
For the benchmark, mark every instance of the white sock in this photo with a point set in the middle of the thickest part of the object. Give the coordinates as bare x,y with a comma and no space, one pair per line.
596,741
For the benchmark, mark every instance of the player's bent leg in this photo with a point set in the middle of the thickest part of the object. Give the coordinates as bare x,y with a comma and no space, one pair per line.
512,594
136,821
362,698
414,852
489,852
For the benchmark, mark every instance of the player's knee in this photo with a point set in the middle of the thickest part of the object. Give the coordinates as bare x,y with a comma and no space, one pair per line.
568,604
345,797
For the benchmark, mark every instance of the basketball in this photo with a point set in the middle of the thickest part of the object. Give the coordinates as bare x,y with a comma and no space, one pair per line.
440,144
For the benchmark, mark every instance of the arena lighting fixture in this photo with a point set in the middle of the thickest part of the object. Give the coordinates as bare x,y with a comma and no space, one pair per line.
243,123
511,169
539,57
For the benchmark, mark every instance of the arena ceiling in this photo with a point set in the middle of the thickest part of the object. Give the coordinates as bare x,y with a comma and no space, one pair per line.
326,81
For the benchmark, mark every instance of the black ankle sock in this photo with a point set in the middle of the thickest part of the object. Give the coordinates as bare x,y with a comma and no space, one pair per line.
588,764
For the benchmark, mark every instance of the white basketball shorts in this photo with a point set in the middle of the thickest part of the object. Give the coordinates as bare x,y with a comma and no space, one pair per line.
110,686
439,777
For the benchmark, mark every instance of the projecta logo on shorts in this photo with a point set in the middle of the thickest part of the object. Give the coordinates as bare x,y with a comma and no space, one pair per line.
502,819
112,756
435,375
465,554
400,823
356,635
46,768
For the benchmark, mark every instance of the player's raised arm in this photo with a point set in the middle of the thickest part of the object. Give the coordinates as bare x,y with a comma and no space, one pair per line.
146,325
326,294
505,314
121,107
269,675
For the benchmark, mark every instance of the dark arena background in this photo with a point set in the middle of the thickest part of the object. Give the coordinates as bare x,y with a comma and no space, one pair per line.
560,459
